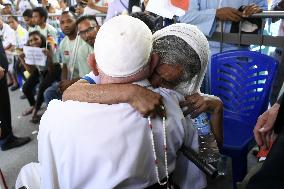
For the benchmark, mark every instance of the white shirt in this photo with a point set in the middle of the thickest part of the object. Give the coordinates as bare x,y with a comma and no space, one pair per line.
116,7
25,4
186,173
8,35
84,145
89,11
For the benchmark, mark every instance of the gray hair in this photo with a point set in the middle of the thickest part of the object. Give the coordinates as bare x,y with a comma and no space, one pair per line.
174,50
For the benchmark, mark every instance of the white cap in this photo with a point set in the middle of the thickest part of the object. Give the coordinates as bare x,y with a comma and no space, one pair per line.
123,46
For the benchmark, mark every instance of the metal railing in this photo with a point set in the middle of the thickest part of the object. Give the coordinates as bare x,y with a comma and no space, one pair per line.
252,39
53,15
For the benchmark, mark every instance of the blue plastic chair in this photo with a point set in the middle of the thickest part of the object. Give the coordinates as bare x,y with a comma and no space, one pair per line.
242,79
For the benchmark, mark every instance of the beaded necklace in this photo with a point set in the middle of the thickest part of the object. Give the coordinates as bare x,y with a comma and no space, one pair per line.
165,150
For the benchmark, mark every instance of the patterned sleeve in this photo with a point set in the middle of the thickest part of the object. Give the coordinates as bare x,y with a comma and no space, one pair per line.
91,78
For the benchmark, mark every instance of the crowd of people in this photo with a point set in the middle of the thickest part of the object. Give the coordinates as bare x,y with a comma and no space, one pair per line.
132,84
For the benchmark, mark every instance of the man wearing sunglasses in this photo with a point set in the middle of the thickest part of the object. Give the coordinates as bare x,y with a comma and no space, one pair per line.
88,28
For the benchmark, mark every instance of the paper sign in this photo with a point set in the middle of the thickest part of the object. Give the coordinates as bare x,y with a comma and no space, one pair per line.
34,56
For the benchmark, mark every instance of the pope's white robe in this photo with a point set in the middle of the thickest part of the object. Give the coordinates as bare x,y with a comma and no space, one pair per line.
84,145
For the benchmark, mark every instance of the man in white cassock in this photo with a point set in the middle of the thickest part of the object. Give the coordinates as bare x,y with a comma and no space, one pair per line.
182,65
112,146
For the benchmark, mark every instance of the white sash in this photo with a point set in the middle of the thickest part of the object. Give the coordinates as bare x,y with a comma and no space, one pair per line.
73,58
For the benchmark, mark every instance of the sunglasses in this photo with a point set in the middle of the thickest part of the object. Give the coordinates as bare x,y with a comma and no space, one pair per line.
83,33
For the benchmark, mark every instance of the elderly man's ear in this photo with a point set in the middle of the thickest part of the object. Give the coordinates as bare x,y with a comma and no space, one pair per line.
93,64
154,61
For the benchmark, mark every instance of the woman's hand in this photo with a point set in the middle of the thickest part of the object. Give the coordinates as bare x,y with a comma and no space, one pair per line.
47,53
196,103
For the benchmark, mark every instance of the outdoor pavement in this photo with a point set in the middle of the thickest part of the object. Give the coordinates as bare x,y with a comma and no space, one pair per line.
11,161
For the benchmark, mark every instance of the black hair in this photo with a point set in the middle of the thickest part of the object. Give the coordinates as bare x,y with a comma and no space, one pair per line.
70,12
87,17
7,4
42,37
132,3
28,13
42,12
14,17
151,21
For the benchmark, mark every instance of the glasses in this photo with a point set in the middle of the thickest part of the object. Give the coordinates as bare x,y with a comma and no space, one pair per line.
85,32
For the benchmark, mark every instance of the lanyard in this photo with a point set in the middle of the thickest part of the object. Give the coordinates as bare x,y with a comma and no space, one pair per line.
73,57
